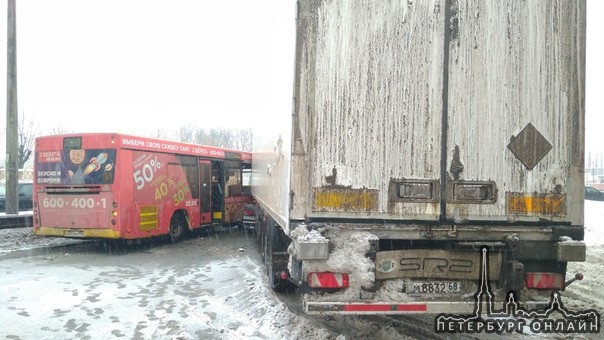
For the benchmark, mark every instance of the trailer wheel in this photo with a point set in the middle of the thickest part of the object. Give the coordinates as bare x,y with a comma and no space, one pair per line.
273,242
178,227
277,284
260,236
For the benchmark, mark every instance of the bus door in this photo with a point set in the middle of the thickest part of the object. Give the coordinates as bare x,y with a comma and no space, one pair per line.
205,192
217,206
234,199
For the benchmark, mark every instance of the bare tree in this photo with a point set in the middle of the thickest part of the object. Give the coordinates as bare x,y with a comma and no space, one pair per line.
186,134
243,139
27,133
240,139
160,134
60,131
221,137
202,136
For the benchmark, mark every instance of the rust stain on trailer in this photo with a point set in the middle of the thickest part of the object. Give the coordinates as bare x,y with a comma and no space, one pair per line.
345,199
456,165
331,180
535,204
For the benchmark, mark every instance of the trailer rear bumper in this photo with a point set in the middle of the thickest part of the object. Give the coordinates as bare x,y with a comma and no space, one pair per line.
446,307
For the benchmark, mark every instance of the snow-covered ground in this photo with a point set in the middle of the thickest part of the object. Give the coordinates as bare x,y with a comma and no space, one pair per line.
279,320
17,239
594,223
207,287
589,293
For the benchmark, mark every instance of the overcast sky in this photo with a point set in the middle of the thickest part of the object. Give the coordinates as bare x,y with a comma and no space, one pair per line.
116,65
140,65
594,98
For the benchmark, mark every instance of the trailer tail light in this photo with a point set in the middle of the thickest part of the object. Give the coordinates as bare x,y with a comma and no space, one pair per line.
327,280
544,280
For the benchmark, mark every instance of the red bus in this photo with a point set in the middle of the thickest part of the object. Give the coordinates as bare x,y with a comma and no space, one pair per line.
115,186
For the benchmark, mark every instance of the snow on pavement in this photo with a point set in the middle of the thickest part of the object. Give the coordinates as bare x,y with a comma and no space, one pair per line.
280,321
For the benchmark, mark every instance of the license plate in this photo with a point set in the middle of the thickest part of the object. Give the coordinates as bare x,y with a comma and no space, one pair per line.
74,233
435,287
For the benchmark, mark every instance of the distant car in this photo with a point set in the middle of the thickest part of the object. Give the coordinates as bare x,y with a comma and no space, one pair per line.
593,194
25,192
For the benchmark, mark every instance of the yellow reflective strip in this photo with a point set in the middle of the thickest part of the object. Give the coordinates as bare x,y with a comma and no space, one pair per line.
346,199
148,218
543,204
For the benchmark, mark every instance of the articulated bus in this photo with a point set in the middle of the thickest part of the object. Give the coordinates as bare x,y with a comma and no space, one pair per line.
115,186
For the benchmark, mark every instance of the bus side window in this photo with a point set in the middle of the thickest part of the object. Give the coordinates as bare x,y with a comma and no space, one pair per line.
188,165
233,182
246,179
233,187
234,190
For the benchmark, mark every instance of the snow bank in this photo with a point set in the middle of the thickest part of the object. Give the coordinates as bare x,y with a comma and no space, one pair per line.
594,223
348,251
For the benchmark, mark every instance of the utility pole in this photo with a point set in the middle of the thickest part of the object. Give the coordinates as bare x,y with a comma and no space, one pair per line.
12,198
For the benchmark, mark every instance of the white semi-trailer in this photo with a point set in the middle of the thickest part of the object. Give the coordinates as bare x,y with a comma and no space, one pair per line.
406,136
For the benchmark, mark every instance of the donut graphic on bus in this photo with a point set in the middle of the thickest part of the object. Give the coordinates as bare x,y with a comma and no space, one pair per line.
88,167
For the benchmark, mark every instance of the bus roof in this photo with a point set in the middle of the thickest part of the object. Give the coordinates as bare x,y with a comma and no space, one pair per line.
123,141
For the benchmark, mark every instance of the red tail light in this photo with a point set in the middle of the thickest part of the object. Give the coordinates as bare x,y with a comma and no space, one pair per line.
544,280
327,280
248,212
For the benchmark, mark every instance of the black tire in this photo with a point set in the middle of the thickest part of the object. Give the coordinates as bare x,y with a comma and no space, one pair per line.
262,239
178,228
276,283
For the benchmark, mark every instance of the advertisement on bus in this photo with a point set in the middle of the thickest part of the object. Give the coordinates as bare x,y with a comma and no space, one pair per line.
91,166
